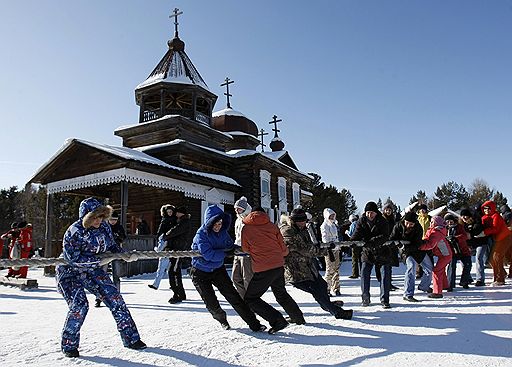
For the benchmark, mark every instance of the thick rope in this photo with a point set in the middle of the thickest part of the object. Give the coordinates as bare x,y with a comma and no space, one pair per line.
107,257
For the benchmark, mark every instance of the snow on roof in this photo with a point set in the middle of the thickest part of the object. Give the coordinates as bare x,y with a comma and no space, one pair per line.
125,127
276,138
228,111
240,133
175,67
136,155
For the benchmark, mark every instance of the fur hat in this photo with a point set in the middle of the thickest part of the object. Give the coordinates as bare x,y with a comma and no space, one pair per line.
353,217
163,209
181,209
410,217
371,206
298,215
241,203
92,208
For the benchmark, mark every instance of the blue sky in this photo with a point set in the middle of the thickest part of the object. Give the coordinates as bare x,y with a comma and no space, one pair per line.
380,97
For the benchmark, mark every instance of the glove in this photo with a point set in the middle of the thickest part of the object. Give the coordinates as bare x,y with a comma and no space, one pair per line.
331,256
332,245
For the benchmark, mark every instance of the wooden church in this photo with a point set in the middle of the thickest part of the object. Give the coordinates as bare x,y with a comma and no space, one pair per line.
179,152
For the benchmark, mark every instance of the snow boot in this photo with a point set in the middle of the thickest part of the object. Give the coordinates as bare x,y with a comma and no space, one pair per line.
72,353
278,326
295,321
225,325
344,314
97,303
152,286
138,345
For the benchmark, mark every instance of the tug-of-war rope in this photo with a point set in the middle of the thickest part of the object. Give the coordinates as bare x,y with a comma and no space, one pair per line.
129,256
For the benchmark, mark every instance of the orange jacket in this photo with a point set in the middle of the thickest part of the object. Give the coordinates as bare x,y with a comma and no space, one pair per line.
263,241
493,223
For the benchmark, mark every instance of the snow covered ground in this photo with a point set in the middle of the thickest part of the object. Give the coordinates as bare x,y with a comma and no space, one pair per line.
466,328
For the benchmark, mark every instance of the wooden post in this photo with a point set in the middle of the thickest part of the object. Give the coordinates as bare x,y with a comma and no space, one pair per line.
142,108
162,102
48,243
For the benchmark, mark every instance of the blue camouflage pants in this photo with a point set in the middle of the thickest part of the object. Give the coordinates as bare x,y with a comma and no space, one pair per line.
72,286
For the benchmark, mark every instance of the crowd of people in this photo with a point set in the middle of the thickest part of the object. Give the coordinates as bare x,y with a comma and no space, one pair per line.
268,255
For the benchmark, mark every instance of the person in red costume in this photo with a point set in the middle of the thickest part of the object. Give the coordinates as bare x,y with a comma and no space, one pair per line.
25,242
495,226
435,240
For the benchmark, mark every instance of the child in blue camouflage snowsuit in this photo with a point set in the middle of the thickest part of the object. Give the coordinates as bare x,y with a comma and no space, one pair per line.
88,236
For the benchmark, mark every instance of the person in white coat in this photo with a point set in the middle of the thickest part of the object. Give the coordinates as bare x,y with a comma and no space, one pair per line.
329,232
241,273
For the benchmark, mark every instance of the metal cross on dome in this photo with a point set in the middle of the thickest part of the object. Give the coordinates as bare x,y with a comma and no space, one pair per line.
226,83
176,12
275,129
261,135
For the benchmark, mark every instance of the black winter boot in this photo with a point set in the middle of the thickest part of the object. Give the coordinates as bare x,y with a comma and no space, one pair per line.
344,314
73,353
138,345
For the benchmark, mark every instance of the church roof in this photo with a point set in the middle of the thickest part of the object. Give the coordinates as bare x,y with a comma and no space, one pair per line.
133,155
175,67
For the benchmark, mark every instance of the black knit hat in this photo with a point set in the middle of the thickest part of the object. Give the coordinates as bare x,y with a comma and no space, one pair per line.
450,216
371,206
422,206
410,217
258,209
115,215
465,213
298,215
181,209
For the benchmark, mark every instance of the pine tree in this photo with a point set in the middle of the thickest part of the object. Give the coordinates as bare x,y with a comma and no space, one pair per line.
499,199
451,194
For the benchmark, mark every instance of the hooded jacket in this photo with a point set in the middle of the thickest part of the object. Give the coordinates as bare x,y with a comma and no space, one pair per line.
82,242
493,223
239,224
212,245
435,239
263,241
329,229
179,236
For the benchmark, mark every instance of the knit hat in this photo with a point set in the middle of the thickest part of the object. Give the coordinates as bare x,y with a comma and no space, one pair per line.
181,209
465,213
241,203
115,215
410,217
437,221
450,216
258,209
388,205
298,215
22,224
371,206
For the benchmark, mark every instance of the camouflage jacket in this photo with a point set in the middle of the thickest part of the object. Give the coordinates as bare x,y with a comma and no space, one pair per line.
299,265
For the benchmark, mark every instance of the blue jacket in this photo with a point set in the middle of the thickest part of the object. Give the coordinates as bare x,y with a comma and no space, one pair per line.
81,245
212,245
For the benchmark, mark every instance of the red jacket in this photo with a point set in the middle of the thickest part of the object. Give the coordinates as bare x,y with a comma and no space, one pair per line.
25,239
493,223
462,238
263,241
435,240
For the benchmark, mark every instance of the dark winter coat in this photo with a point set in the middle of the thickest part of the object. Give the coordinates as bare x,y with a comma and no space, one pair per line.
475,231
414,236
166,224
299,265
374,235
118,232
179,236
456,234
212,245
391,220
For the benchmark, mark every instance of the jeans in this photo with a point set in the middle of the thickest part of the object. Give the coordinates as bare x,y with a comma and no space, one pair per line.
385,283
163,265
466,270
482,254
410,275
